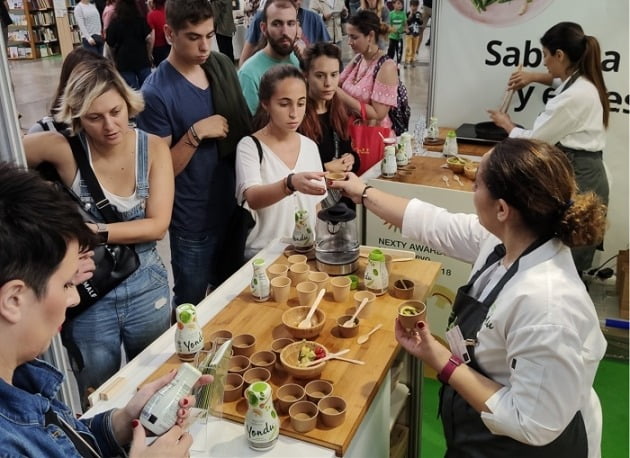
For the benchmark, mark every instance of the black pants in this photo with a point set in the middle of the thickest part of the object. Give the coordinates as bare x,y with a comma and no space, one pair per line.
395,49
225,45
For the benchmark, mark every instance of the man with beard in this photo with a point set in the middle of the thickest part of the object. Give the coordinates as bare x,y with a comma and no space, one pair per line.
279,26
312,26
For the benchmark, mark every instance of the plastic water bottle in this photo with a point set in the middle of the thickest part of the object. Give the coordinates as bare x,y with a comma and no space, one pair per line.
418,135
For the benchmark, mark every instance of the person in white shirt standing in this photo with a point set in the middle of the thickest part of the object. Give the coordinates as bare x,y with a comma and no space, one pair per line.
524,336
89,22
575,119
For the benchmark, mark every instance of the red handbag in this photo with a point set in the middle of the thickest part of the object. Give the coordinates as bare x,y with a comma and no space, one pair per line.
366,140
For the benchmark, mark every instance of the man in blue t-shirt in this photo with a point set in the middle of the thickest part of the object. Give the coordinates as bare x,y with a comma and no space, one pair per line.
181,107
313,30
279,26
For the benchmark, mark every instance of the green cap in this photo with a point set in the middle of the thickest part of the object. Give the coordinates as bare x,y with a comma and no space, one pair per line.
354,281
376,255
451,134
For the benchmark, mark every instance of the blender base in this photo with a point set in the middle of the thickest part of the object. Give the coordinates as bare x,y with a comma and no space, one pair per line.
338,269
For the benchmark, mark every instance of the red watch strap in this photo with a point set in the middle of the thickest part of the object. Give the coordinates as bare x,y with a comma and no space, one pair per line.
446,372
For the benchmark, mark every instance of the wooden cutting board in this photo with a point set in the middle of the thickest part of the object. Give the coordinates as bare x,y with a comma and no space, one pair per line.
428,171
355,383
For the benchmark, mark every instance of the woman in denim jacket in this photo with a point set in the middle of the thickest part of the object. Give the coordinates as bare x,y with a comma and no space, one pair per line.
135,172
42,237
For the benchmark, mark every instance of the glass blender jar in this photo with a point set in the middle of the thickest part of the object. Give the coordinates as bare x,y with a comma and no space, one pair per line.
337,240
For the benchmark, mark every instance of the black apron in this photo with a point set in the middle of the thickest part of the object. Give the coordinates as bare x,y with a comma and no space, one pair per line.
466,434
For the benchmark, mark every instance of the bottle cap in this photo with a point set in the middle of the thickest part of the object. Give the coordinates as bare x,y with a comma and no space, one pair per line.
376,255
185,313
451,134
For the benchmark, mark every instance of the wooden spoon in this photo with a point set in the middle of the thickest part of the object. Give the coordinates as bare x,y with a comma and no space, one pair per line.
327,357
306,322
364,338
349,323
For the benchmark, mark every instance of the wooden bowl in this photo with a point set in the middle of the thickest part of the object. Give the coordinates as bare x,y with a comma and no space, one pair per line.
292,317
456,164
470,171
289,359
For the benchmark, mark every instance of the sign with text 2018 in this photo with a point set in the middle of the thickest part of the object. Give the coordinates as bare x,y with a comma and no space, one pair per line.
476,51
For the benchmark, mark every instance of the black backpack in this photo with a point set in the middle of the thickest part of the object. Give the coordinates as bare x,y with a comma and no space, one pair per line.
401,113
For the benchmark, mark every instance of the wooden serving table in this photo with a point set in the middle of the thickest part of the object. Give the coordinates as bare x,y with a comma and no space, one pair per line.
463,147
429,171
357,384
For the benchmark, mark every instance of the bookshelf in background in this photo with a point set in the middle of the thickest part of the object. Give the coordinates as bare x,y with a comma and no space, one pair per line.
74,28
34,30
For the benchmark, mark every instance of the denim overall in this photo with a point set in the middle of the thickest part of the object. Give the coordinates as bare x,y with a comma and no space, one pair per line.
134,313
466,434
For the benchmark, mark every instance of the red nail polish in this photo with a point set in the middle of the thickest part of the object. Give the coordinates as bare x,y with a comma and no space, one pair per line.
185,402
134,423
420,324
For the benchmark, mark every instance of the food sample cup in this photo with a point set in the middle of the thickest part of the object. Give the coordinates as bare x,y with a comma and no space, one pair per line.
410,312
264,358
288,395
318,389
306,292
358,298
319,278
233,388
277,270
297,259
332,410
281,289
298,273
239,364
256,374
303,416
340,288
244,344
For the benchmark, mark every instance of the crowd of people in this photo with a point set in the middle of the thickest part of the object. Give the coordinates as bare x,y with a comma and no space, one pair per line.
179,148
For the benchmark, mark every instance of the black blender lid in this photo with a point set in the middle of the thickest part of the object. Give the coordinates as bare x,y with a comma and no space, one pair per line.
338,213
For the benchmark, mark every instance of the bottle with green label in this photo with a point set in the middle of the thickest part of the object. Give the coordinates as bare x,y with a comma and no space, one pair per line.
188,334
260,285
450,144
302,236
376,275
262,425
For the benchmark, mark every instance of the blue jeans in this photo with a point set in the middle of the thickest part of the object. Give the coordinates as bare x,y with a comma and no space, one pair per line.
193,262
135,79
133,315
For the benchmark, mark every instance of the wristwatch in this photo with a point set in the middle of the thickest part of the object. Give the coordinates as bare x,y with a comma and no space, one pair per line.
364,194
290,182
102,232
445,374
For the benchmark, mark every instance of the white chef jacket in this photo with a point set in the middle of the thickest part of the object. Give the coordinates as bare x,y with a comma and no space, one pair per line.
573,117
541,339
276,220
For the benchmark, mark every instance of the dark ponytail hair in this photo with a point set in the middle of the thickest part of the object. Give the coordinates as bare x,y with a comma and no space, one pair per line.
337,112
584,53
537,179
367,21
266,90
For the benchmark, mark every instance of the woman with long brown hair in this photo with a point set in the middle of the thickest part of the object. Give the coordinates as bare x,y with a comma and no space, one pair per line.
326,118
577,117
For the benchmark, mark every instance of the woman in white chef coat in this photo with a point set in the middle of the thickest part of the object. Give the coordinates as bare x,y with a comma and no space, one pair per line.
577,117
518,381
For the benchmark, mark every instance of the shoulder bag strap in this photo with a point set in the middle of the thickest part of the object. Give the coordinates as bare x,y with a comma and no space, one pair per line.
379,64
103,205
259,147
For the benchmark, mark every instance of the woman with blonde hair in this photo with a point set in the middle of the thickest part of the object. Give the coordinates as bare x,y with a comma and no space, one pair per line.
135,172
525,341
